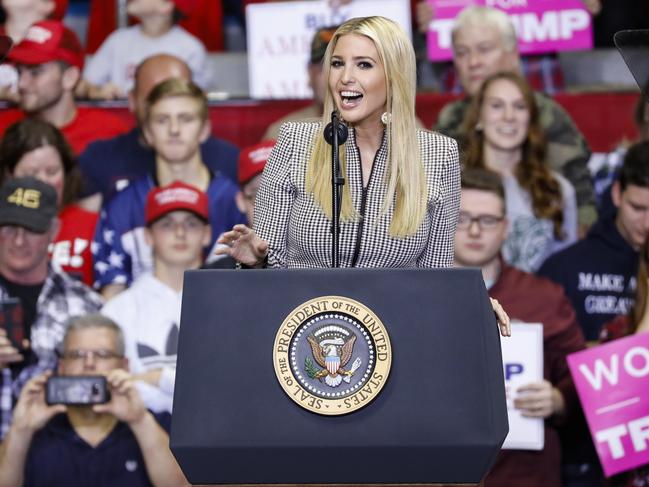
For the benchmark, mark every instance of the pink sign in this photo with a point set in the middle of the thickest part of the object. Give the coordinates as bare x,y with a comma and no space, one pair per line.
541,25
613,383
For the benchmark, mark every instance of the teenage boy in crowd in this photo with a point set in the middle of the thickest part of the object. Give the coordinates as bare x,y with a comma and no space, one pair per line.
109,74
148,312
109,165
598,273
175,125
49,61
481,232
116,443
484,43
47,296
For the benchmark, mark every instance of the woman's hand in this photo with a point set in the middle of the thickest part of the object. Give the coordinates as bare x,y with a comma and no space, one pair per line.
502,318
243,245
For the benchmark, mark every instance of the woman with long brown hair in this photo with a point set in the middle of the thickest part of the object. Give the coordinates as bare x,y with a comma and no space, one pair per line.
505,135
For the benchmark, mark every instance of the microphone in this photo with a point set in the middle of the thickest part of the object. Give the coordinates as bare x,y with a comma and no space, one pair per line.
341,129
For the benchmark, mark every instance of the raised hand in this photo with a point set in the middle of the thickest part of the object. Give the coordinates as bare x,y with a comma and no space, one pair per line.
31,412
243,245
539,400
125,401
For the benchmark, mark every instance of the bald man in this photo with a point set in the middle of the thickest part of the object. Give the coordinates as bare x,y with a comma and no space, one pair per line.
110,165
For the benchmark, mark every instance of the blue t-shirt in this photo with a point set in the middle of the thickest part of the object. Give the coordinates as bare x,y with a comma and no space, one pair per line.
108,165
120,251
59,457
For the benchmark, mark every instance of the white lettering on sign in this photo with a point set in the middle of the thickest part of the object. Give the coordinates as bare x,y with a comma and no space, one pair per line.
550,26
610,372
638,430
600,282
611,305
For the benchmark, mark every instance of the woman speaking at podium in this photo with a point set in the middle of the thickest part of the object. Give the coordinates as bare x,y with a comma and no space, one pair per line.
401,197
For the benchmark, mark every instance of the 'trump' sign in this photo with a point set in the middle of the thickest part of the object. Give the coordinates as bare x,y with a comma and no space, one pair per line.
612,381
542,25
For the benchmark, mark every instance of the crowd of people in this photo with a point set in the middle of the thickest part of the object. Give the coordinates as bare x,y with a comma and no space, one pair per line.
100,220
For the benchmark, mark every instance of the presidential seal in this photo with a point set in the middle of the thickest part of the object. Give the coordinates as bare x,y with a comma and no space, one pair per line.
332,355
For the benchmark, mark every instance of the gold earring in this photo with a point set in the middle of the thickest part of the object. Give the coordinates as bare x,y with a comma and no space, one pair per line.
386,118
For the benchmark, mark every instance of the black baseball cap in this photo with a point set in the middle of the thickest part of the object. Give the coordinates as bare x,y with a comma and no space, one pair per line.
634,48
29,203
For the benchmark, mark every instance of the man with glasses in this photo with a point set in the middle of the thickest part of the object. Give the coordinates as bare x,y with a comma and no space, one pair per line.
46,297
481,232
115,443
148,312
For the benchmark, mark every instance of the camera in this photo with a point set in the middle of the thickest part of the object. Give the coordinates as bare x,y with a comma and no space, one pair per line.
77,390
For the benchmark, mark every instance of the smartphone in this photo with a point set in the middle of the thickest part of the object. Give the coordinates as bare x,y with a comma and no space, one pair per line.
77,390
12,321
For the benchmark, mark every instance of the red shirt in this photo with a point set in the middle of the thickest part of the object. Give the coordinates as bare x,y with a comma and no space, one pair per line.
533,299
88,125
71,248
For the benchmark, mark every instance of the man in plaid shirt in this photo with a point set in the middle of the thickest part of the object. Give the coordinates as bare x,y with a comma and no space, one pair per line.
47,297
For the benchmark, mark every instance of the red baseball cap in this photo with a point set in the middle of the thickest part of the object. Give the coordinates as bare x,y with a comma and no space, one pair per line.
174,197
48,40
252,160
60,8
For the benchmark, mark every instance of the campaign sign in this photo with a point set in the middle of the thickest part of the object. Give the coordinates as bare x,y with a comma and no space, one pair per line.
541,25
279,40
612,381
523,364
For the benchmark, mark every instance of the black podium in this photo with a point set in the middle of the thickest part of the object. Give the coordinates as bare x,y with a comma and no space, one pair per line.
440,418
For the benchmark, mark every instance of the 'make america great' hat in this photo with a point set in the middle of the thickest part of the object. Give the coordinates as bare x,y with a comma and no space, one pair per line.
29,203
48,40
174,197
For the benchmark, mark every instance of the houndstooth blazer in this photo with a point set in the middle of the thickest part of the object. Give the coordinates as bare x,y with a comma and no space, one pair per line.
299,233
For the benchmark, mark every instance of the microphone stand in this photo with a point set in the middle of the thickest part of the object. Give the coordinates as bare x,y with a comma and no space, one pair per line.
335,133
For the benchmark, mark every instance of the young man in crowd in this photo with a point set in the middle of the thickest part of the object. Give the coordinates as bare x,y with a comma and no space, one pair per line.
598,273
484,43
148,312
115,443
109,165
47,296
109,74
481,232
18,18
49,61
175,125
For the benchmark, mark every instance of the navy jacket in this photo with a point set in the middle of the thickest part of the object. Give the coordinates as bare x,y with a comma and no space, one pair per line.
108,165
598,275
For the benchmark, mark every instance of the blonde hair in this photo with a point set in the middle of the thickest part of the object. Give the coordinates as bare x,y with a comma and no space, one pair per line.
405,175
480,16
176,87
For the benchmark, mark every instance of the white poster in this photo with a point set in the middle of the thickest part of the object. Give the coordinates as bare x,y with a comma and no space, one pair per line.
522,364
279,40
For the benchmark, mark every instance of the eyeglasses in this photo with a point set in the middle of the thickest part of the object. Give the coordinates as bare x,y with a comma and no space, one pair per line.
82,355
485,222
